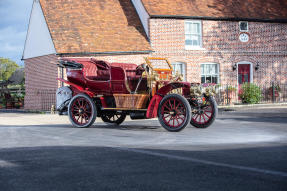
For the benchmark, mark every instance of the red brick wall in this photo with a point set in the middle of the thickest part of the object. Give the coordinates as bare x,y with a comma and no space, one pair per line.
135,59
40,81
267,47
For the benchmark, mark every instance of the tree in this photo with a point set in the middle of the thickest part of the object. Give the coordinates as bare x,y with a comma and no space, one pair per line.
7,67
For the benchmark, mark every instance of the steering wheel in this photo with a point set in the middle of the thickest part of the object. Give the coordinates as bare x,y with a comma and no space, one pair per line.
140,69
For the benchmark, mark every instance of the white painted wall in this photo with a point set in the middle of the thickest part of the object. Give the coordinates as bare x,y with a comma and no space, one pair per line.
38,39
144,16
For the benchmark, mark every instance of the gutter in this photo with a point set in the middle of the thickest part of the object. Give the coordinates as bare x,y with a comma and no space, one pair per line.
105,53
218,18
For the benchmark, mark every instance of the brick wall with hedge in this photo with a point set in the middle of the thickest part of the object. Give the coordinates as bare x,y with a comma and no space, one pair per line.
266,47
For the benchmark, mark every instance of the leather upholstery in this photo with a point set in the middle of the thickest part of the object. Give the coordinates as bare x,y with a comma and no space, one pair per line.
133,76
102,75
130,69
90,70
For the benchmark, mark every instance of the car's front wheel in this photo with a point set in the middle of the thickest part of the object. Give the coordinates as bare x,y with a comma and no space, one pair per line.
82,111
174,112
203,115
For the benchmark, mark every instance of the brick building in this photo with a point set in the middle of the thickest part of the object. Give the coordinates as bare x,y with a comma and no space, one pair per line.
224,42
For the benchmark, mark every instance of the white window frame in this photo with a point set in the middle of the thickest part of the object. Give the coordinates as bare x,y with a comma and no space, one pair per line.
191,47
218,74
240,24
183,68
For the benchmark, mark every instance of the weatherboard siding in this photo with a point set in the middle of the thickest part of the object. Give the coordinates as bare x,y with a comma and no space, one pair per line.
38,39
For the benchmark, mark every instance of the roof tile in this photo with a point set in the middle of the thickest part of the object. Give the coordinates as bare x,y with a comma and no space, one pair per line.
252,9
94,26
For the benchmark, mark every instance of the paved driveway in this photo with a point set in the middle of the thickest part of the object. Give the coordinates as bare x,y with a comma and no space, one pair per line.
243,150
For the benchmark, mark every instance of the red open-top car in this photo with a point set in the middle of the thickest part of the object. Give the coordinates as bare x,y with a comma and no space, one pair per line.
113,90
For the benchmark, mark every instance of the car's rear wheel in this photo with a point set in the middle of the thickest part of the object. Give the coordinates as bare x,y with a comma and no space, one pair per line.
113,117
174,112
82,111
204,115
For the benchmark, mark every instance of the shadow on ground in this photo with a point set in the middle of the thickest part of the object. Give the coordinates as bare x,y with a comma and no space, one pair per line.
280,120
102,168
129,126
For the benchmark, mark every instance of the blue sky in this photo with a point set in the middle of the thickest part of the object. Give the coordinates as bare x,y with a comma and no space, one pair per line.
14,19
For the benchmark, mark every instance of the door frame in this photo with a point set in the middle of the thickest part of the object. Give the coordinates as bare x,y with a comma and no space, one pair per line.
251,70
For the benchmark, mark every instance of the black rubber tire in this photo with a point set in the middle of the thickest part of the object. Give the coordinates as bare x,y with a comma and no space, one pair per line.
187,108
93,109
106,117
213,104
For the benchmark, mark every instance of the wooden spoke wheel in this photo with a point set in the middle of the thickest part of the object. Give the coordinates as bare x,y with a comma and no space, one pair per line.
174,112
204,115
113,117
82,111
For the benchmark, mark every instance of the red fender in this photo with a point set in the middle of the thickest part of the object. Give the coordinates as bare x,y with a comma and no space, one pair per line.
81,89
154,103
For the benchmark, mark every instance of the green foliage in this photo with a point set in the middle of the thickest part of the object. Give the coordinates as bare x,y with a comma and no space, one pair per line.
250,93
7,68
18,96
2,100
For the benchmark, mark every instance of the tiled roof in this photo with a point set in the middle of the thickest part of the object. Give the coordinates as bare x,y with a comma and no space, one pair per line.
89,26
252,9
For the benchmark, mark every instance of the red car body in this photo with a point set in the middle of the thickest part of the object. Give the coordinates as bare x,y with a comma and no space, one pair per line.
101,81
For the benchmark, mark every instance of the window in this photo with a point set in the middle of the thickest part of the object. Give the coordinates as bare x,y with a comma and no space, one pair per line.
180,68
243,26
209,73
193,34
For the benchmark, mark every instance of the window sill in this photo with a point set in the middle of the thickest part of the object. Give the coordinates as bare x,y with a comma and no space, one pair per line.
194,48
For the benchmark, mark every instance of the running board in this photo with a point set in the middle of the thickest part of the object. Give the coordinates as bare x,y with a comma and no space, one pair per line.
122,109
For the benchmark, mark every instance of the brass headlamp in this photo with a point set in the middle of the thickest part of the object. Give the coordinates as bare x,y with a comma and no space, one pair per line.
197,90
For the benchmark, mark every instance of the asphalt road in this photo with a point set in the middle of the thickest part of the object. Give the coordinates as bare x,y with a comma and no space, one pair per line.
242,150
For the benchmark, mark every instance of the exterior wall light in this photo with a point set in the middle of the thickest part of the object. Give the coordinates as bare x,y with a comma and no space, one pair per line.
257,67
234,67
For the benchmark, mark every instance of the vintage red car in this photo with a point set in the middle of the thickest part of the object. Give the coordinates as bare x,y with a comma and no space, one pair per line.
150,90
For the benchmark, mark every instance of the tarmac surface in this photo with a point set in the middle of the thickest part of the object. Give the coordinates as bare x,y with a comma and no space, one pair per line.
242,150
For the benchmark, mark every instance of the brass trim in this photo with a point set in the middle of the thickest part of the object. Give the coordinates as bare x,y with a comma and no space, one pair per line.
147,59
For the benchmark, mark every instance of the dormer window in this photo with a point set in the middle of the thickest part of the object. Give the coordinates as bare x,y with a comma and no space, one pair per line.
243,26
